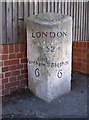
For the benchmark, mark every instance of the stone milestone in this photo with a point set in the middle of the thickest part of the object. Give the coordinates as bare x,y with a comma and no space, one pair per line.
49,52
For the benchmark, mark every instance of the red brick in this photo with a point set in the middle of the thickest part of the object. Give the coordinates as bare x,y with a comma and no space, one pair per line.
83,68
0,93
84,55
76,66
5,49
1,64
2,86
6,63
79,54
23,71
1,76
5,57
17,48
13,89
20,77
22,48
7,74
24,81
74,43
85,60
20,55
11,48
12,79
5,92
5,80
1,49
14,73
74,50
18,87
7,85
88,71
80,50
75,59
87,66
12,56
0,81
12,84
26,75
87,44
25,66
12,67
74,53
4,69
23,60
84,65
80,44
80,59
88,56
25,55
21,85
79,64
0,57
19,66
85,50
73,46
13,62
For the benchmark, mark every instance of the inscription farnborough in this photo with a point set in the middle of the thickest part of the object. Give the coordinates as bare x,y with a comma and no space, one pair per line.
52,65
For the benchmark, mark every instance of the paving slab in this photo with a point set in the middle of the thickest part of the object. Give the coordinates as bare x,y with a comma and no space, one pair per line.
24,104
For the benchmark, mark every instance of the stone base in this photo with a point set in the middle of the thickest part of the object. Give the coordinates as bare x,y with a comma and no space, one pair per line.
48,87
44,92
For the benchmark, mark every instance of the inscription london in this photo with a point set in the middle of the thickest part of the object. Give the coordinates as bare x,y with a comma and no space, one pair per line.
48,34
52,65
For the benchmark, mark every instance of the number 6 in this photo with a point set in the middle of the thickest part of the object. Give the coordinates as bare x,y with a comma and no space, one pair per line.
37,73
59,74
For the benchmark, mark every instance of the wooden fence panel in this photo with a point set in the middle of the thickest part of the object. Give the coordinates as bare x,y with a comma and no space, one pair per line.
26,14
0,22
21,23
9,13
3,23
15,22
15,17
88,20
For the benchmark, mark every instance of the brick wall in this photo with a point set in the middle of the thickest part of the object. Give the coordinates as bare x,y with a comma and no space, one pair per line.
80,57
13,67
13,70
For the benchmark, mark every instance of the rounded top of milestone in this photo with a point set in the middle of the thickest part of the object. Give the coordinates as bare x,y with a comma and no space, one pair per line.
48,18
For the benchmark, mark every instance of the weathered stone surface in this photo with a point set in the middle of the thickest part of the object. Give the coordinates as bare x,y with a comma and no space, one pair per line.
49,51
